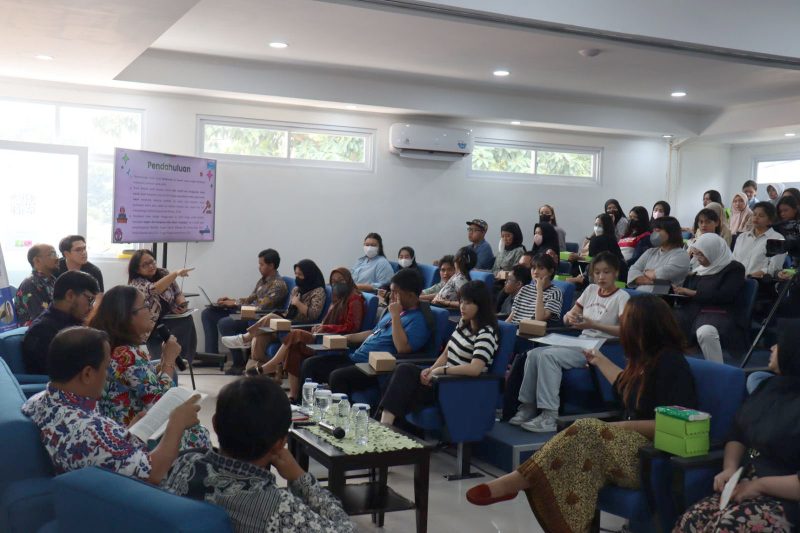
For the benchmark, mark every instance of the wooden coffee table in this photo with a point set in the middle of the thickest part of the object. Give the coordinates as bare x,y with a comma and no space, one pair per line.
374,497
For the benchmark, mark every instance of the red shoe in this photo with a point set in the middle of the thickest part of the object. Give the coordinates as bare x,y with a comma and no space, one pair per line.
481,495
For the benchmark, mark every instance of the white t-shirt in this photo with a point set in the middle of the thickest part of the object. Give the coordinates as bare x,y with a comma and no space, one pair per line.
603,309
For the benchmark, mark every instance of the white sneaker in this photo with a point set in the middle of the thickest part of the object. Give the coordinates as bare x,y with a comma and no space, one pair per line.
544,423
234,342
526,412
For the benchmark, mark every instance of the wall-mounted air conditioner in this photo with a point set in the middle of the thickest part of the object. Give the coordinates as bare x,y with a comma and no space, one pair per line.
429,142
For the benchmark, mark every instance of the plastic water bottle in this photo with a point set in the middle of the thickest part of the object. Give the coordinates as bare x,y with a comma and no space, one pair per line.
362,424
322,398
343,412
308,395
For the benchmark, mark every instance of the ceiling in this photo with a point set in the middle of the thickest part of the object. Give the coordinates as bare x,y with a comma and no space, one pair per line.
350,52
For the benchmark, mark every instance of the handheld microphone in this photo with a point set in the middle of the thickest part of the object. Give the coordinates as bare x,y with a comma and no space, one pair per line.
164,332
330,429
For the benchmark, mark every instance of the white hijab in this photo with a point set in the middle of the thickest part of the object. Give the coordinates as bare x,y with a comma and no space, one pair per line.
716,250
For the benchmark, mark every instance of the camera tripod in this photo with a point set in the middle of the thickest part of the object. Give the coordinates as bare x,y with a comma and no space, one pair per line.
781,295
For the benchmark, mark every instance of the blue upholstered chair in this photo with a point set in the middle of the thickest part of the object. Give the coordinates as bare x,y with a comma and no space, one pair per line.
11,352
430,274
92,500
485,276
564,268
568,293
395,265
465,407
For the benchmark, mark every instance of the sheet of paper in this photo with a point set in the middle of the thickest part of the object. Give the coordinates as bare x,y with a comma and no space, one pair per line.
153,424
567,341
727,490
186,313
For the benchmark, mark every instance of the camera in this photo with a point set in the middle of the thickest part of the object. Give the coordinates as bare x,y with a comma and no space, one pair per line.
790,246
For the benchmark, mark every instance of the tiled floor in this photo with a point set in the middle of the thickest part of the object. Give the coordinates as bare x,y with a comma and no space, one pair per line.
448,509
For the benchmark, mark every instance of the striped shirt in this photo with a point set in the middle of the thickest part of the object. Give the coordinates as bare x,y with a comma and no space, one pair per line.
464,345
524,306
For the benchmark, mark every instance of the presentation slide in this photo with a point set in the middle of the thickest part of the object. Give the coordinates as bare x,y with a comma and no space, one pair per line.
162,197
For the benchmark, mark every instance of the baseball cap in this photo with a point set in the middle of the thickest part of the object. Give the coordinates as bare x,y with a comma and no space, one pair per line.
478,222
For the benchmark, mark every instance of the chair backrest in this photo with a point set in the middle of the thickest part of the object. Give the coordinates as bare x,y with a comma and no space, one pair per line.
485,276
11,349
505,347
745,305
327,304
395,265
370,311
564,267
94,500
568,295
22,454
290,284
573,247
430,274
720,391
443,328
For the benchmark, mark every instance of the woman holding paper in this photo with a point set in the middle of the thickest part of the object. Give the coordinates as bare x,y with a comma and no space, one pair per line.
562,479
765,446
135,382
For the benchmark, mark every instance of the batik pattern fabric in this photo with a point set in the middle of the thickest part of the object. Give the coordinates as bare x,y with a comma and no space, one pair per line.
159,303
567,473
270,293
34,296
76,435
133,385
762,514
253,500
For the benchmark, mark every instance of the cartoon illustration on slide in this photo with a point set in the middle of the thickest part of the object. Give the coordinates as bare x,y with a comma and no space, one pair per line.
207,208
118,235
122,218
205,230
6,313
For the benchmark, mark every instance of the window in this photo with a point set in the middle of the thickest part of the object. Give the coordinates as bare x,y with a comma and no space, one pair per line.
301,144
542,163
97,128
778,169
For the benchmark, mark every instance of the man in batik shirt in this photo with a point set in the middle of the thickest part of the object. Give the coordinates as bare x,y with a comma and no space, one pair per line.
35,293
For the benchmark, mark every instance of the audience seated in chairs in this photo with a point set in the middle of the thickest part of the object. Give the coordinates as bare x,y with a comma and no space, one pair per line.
563,478
545,241
163,297
76,257
774,192
344,316
540,300
597,314
269,293
135,382
404,329
712,289
447,269
252,421
765,442
751,246
602,240
511,248
548,214
517,279
476,233
447,296
372,270
741,215
469,352
73,297
667,260
613,208
660,209
305,307
636,240
35,293
76,434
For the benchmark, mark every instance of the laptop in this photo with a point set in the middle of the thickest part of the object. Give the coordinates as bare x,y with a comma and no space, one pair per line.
212,303
659,287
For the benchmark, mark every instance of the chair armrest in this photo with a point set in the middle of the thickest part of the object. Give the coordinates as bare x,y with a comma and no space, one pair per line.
449,378
712,458
418,360
502,316
562,422
682,466
752,369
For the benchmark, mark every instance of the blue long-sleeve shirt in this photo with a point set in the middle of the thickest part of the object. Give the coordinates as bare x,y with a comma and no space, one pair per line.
485,255
376,271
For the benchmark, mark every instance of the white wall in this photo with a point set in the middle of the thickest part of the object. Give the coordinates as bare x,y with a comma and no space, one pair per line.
324,214
696,169
741,163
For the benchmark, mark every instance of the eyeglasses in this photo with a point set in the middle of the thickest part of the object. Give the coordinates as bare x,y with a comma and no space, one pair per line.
51,253
147,264
78,250
89,298
137,309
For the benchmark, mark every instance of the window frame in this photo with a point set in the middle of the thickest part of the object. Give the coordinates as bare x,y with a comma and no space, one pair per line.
369,135
534,178
768,158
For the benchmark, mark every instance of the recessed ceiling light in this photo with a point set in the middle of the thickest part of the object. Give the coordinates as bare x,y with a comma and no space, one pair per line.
278,44
789,134
515,122
351,106
678,94
590,52
667,136
501,73
44,57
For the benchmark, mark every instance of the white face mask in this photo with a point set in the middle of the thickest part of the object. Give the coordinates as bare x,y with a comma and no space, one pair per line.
657,214
405,263
538,239
501,246
370,251
598,230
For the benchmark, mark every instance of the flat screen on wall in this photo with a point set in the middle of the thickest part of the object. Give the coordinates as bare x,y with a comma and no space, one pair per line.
163,197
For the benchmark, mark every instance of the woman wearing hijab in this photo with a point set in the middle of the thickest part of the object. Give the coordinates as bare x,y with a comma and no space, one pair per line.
511,248
711,290
660,209
343,317
545,241
613,208
741,215
765,443
774,191
724,228
306,302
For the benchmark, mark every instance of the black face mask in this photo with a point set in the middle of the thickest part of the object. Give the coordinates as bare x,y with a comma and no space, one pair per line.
340,290
545,218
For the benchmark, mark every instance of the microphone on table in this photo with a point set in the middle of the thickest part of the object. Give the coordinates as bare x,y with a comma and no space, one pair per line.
330,429
164,332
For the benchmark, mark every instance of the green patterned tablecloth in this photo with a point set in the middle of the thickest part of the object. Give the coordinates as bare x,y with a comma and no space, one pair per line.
381,439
